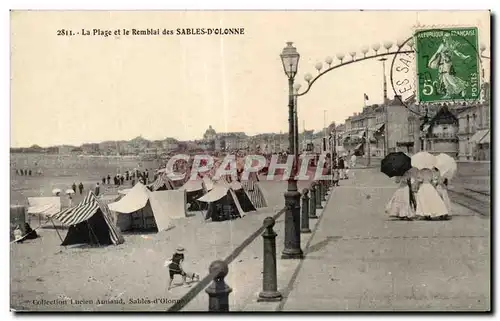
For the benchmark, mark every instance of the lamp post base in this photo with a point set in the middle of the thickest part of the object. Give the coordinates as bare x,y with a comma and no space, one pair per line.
292,254
269,296
292,225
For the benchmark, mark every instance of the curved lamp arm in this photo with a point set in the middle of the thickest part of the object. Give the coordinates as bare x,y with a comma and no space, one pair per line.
310,83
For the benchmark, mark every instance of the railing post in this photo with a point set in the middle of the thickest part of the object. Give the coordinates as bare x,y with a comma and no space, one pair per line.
318,195
305,212
312,203
270,279
218,291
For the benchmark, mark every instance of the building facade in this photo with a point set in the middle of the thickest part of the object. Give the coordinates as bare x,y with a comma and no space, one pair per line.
474,132
439,133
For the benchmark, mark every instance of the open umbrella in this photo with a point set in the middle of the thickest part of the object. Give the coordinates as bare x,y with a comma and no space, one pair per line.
56,191
395,164
423,160
70,191
447,165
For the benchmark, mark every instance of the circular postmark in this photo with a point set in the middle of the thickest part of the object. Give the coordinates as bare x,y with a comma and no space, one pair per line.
438,66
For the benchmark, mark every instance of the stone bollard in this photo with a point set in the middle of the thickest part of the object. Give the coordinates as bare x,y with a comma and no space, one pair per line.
312,202
269,279
318,195
305,212
218,291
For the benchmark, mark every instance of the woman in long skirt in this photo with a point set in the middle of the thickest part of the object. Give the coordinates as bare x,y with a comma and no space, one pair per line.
429,203
440,184
402,205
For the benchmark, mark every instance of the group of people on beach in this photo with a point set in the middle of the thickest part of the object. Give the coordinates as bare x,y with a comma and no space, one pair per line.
27,172
119,179
422,194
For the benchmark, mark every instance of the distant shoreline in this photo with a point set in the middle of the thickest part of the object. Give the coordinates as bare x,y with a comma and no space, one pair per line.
76,155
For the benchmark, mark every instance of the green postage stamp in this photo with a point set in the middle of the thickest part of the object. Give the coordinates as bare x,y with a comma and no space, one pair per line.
447,64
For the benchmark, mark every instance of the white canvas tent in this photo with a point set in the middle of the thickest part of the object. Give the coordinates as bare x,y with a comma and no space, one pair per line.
224,203
171,205
194,189
124,191
44,206
109,198
142,209
192,186
209,184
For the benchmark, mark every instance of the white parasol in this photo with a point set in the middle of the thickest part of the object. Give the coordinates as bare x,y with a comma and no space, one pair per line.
423,160
70,191
447,165
56,191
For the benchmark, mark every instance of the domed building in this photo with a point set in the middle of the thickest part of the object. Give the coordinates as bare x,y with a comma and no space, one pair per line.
210,134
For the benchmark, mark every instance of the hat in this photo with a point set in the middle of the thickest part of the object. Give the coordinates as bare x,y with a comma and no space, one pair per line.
179,250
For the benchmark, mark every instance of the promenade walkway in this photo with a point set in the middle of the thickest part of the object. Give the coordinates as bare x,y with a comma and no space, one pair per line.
360,260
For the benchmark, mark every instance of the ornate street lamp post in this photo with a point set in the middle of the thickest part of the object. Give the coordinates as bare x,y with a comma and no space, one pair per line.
290,59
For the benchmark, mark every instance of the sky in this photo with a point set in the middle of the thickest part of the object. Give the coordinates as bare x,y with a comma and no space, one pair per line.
81,89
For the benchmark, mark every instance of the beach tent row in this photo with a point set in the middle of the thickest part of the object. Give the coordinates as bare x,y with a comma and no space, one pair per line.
162,183
226,200
90,222
141,209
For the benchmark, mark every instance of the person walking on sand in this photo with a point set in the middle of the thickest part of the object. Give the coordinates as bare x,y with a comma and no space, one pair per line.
103,180
80,187
73,187
122,179
70,200
109,179
97,189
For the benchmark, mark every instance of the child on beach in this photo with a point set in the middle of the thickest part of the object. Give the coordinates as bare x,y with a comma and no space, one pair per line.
175,267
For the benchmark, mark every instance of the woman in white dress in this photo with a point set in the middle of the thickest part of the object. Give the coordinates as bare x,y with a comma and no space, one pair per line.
402,205
429,203
440,185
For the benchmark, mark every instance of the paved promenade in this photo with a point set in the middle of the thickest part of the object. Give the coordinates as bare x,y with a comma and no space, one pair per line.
360,260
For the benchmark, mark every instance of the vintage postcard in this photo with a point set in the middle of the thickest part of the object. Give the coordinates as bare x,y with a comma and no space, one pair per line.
256,161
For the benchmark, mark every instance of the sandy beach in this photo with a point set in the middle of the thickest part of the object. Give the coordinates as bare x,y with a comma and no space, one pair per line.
46,276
